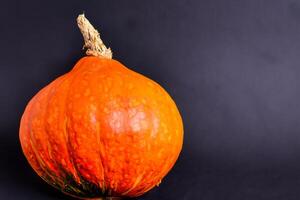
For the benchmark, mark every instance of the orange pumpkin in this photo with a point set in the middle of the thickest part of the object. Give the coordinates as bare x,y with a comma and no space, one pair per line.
101,129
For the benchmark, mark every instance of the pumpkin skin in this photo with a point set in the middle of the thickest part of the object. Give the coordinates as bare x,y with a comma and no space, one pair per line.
101,130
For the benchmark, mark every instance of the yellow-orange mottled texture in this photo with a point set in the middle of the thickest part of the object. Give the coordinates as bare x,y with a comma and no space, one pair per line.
104,124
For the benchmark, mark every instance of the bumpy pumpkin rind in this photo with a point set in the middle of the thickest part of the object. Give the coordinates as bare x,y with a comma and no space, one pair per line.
102,129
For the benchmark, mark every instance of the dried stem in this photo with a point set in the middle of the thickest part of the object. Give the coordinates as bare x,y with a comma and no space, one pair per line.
92,40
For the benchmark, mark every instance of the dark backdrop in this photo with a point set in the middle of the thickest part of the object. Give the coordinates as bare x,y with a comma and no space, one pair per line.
233,68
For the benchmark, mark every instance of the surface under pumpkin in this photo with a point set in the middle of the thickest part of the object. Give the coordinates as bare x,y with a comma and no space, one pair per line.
101,129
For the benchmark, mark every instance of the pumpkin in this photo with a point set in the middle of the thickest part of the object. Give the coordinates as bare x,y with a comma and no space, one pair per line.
101,130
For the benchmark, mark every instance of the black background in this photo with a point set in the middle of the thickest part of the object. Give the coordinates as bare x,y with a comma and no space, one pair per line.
233,68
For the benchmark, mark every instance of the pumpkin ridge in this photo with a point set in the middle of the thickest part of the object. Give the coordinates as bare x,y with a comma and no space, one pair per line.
54,85
24,133
75,76
68,148
32,138
65,126
81,188
64,169
72,78
71,154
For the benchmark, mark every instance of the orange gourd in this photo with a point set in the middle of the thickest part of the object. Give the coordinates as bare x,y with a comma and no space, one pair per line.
101,129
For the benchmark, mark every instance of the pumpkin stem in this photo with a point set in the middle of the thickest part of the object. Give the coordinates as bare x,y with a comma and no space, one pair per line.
92,40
